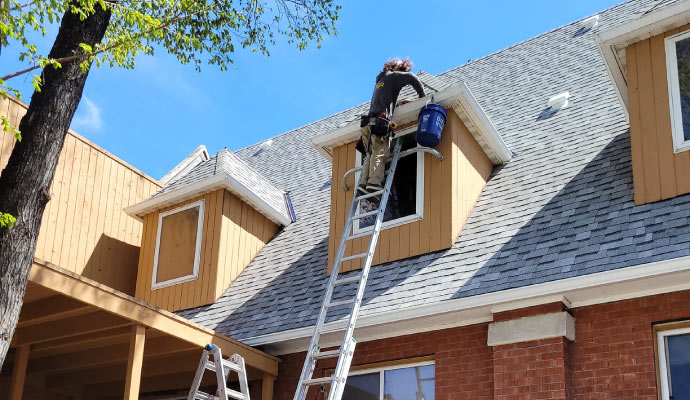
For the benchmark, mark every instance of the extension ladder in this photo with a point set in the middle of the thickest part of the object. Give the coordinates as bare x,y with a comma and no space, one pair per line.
222,368
347,348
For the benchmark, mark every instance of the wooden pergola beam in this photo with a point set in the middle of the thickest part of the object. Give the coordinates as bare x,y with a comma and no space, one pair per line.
119,304
51,309
73,326
81,342
114,354
19,372
134,362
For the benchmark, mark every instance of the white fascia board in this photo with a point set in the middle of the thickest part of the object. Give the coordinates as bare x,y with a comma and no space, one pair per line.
448,98
197,156
603,287
203,186
654,23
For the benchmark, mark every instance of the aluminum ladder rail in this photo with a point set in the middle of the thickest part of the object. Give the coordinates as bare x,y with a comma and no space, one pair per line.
347,348
222,369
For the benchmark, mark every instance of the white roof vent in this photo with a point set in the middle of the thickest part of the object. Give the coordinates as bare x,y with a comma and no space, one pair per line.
266,144
591,22
559,101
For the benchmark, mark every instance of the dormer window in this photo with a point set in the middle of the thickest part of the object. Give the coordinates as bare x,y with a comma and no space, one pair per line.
178,245
678,64
406,201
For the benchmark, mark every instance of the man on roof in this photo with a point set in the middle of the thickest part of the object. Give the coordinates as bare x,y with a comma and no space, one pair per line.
375,127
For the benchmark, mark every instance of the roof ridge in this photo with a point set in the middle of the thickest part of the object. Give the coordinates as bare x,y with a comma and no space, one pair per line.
534,37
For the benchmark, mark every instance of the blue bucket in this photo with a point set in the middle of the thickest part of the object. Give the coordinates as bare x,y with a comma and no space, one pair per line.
432,118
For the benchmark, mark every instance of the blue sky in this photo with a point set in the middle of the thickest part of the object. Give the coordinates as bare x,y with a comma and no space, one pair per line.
155,115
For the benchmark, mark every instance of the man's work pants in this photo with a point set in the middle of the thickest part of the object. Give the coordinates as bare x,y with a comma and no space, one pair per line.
378,152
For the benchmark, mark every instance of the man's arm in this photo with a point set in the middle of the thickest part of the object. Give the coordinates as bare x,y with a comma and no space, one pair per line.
416,84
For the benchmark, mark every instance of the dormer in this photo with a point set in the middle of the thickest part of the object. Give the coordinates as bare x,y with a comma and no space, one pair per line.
648,59
203,229
431,198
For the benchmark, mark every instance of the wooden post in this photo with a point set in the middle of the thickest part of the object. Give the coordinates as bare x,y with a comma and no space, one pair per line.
267,387
21,359
134,361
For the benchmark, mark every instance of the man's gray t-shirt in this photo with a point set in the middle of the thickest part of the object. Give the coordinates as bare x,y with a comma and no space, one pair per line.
388,87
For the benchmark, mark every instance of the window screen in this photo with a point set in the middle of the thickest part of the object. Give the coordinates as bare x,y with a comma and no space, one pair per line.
177,254
406,383
678,366
683,64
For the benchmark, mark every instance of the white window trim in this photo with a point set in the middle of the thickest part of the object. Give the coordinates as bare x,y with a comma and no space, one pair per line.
663,357
381,371
197,252
419,207
679,142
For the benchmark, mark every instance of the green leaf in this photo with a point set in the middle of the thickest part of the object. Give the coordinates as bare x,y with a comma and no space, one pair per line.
7,220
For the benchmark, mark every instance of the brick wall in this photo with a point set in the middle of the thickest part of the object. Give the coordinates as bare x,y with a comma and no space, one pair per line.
613,352
612,356
463,362
539,369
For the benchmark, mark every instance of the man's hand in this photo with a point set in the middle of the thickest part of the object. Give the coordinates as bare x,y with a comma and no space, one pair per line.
403,101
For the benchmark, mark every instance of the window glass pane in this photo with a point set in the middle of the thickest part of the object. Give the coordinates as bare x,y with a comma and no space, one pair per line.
177,246
683,57
403,198
362,387
414,383
679,365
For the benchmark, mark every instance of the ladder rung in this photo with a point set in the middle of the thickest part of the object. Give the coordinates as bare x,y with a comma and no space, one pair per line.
361,234
317,381
368,195
204,396
349,279
231,365
210,365
234,394
356,256
339,303
326,354
366,214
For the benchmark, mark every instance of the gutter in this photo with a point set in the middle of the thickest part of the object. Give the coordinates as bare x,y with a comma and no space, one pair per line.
459,98
603,287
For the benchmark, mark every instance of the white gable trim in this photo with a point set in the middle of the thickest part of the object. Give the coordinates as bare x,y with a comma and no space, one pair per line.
458,98
204,186
198,156
612,42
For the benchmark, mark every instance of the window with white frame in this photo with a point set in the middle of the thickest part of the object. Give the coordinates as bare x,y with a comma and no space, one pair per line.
673,346
406,200
178,245
407,382
678,71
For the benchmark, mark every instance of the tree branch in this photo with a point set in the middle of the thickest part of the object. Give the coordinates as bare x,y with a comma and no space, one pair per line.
165,25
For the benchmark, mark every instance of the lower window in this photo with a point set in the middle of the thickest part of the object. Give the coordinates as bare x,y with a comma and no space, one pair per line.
410,382
674,363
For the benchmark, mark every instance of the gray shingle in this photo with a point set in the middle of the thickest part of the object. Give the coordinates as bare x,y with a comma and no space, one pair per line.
561,208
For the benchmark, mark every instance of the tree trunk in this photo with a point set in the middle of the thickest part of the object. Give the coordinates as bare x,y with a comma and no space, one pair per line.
25,182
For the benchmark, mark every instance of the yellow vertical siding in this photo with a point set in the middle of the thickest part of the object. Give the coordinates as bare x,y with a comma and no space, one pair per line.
658,172
84,228
233,234
451,188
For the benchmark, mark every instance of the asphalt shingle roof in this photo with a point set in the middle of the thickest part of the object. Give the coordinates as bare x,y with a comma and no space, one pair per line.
226,162
561,208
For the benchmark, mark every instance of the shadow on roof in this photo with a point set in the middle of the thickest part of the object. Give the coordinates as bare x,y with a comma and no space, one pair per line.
590,226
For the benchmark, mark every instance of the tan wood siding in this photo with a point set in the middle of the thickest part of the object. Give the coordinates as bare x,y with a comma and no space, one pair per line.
451,188
84,229
658,172
233,234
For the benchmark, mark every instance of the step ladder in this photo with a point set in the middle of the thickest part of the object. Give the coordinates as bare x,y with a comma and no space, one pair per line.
222,369
347,348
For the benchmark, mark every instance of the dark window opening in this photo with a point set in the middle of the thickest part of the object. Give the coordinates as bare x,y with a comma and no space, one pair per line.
402,201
